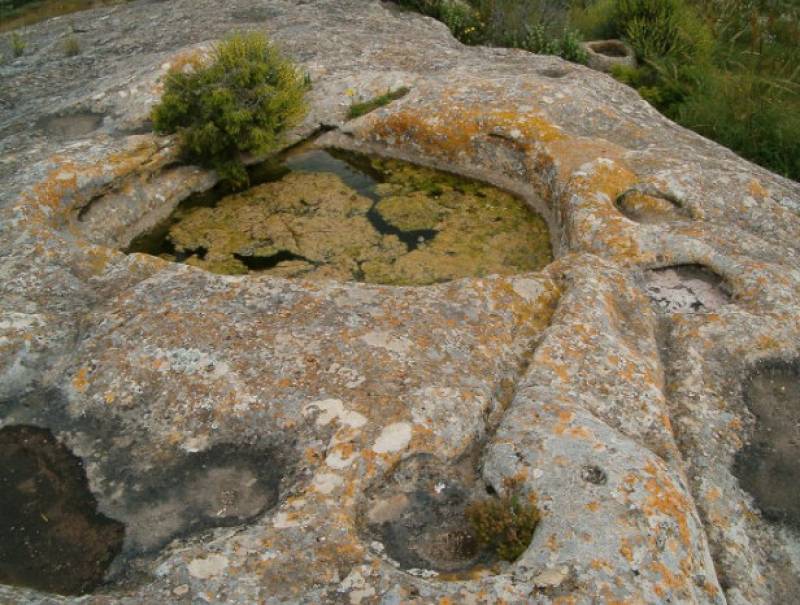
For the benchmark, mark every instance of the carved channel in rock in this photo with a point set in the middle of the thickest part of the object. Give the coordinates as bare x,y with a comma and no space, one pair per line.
686,289
649,205
320,214
72,125
51,536
768,467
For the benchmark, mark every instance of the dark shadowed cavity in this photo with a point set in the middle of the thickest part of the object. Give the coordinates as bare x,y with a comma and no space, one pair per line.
51,536
768,467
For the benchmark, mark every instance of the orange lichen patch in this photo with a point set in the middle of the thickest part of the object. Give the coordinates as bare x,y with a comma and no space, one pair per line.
625,550
710,589
96,259
670,579
593,506
713,494
571,154
667,500
564,418
601,564
757,190
80,382
143,156
580,432
60,182
449,128
312,456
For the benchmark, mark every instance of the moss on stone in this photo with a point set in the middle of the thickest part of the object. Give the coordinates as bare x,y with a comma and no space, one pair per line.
412,212
312,225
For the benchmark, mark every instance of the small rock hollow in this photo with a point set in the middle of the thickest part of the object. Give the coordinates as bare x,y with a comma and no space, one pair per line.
224,485
51,536
329,214
768,467
70,126
647,205
609,48
419,517
686,289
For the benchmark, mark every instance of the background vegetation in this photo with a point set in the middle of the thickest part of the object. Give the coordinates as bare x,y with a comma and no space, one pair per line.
728,69
18,13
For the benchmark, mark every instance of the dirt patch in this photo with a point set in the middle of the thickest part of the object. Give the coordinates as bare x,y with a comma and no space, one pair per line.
686,289
768,467
51,536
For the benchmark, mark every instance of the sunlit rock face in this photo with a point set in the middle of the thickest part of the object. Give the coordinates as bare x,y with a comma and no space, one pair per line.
257,434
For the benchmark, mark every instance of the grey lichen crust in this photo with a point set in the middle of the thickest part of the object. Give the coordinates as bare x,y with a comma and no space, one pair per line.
623,417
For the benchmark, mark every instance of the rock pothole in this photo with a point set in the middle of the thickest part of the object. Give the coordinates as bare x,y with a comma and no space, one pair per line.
423,519
605,55
648,205
686,289
768,467
418,515
51,536
328,214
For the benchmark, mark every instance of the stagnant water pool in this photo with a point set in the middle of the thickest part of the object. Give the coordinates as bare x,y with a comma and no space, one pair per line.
329,214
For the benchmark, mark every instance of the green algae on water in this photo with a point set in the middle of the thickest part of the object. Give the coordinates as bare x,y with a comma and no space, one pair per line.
339,215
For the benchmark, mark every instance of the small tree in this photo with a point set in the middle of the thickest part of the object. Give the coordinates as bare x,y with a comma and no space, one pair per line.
243,100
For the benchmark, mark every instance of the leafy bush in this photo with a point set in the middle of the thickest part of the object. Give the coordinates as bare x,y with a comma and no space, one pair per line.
462,20
244,100
504,524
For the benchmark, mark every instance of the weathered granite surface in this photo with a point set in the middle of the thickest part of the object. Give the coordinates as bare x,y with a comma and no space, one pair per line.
178,387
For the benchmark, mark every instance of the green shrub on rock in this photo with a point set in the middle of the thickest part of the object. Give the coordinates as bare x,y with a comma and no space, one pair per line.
505,525
242,101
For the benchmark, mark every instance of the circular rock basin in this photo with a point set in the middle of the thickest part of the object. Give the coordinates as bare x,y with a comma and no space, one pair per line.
330,214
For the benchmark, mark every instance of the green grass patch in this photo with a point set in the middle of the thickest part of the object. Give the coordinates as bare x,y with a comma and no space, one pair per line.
359,109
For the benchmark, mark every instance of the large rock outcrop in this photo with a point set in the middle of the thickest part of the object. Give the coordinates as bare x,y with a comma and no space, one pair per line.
247,431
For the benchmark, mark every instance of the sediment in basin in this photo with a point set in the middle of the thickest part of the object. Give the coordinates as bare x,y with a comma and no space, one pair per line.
332,214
